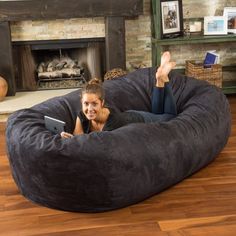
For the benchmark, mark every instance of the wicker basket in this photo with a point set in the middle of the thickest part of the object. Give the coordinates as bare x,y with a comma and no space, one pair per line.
213,74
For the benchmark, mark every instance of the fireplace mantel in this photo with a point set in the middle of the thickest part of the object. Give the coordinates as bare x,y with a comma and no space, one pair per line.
52,9
114,12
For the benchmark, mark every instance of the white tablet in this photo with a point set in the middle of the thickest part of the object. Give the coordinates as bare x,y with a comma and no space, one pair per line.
54,125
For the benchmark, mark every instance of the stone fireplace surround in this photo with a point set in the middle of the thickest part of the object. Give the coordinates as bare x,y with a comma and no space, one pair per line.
114,12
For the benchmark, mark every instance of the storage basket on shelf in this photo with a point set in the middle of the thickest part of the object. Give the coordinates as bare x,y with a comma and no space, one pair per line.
212,74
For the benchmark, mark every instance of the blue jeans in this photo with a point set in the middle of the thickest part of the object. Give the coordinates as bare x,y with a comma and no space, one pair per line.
151,117
163,106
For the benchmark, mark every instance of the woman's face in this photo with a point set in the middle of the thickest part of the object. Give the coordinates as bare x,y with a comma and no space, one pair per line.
91,105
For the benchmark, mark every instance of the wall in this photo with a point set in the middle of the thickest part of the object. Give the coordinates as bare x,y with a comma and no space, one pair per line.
58,29
138,33
138,39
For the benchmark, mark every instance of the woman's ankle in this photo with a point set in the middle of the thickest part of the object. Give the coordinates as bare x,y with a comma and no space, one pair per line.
161,80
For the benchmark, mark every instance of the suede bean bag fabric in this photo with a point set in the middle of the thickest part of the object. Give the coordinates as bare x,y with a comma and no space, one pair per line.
107,170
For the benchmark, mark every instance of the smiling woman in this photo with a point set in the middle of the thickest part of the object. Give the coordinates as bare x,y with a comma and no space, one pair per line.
92,100
95,116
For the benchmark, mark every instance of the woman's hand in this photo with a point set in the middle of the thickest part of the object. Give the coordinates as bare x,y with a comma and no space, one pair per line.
66,135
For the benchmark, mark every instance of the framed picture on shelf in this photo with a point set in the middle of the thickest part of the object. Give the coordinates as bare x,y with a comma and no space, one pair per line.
171,18
230,14
215,25
195,27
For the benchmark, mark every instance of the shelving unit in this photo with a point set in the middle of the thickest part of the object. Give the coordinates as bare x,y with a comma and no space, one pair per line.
158,45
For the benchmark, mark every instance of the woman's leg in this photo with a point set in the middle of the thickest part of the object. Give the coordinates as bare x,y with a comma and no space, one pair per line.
163,103
163,100
151,117
162,96
163,106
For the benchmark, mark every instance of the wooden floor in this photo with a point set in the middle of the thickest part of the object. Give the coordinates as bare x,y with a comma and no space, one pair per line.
203,205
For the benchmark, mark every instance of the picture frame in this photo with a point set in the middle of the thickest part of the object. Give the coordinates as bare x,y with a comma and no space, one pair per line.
230,14
193,25
171,18
215,25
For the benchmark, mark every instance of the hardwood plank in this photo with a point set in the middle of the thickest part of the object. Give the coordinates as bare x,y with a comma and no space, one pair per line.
170,225
226,230
148,229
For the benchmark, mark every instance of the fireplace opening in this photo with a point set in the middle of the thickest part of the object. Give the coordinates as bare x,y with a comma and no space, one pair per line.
56,64
58,69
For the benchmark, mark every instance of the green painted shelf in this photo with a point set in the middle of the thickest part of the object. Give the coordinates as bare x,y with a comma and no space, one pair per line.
158,44
195,40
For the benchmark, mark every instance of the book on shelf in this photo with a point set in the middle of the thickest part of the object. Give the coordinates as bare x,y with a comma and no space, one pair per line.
211,58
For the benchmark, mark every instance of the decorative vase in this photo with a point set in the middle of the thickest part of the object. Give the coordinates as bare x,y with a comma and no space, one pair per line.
3,88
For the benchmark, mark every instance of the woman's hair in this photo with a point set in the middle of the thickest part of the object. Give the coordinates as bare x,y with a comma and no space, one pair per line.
94,86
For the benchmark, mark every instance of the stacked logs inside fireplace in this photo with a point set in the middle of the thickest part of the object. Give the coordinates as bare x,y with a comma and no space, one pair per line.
60,72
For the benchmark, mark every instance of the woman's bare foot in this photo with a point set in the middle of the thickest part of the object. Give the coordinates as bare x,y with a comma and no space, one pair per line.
165,58
164,69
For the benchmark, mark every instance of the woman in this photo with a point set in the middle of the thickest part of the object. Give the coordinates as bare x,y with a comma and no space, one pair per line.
97,117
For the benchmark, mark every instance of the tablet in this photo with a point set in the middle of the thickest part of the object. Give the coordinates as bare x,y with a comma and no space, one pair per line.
54,125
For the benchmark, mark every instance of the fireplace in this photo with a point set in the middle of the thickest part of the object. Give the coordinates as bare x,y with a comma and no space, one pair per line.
114,12
56,64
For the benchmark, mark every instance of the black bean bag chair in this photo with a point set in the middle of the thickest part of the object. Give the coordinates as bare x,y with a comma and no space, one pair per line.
107,170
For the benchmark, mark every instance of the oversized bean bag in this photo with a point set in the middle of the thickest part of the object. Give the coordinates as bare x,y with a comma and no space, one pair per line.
107,170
